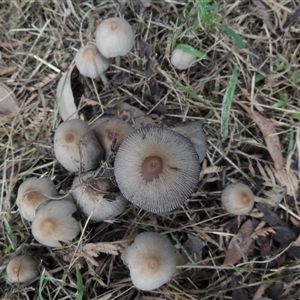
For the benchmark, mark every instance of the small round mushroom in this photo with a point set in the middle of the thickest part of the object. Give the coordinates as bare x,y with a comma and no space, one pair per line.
91,63
194,132
151,260
181,59
76,147
157,169
22,268
237,198
31,193
114,38
111,132
54,223
93,197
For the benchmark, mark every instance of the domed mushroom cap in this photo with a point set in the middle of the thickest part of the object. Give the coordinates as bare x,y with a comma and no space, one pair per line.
90,62
114,37
111,132
54,223
91,196
151,260
182,60
194,132
237,198
22,268
31,193
157,169
76,147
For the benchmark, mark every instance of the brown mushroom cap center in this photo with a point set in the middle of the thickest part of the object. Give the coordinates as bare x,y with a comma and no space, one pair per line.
111,134
89,53
34,197
48,226
69,138
151,167
152,264
17,270
244,198
114,25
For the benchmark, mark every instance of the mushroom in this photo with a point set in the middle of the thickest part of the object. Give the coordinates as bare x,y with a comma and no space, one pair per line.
114,38
181,59
194,132
111,132
54,223
91,63
237,198
157,169
31,193
92,197
151,260
22,268
76,147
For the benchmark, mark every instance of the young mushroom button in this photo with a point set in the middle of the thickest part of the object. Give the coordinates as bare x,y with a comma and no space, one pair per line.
181,59
157,169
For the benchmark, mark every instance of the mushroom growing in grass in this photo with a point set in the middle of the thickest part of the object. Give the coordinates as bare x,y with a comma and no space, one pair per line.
31,193
114,38
111,132
181,59
93,197
76,147
157,169
238,198
91,63
54,223
194,132
151,260
22,268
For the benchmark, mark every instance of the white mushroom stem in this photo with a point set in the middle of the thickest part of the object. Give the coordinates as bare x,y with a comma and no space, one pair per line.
104,80
118,61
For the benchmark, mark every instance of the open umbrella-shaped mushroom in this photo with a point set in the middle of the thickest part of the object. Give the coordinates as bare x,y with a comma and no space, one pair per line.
151,260
157,169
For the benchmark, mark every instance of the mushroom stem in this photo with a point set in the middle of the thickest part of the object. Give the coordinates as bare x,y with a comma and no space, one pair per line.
118,61
104,80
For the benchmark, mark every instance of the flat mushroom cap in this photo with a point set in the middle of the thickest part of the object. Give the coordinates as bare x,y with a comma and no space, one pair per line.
237,198
111,132
22,268
182,60
114,37
31,193
157,169
151,260
90,62
194,132
91,197
76,147
54,223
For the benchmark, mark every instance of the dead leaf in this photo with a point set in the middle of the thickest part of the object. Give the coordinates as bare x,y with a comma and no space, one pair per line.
295,221
253,100
259,293
48,79
153,86
151,298
195,245
18,43
262,232
292,18
97,248
120,78
237,293
7,70
9,106
89,101
269,132
65,98
149,68
145,48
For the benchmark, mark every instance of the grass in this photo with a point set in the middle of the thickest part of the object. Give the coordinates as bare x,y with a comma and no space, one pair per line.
244,56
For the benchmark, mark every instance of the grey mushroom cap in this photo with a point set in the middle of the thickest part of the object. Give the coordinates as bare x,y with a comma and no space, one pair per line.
31,193
92,197
157,169
22,268
237,198
114,37
194,132
54,223
76,147
90,62
151,260
182,60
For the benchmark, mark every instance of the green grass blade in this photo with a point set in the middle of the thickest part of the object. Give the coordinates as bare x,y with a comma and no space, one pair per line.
79,284
189,49
237,39
11,237
41,283
227,101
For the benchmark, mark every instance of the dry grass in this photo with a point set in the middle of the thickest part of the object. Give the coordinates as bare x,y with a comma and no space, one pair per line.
26,141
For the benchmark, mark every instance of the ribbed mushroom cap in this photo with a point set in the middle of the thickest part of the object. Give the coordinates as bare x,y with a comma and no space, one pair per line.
91,197
90,62
76,147
182,60
114,37
237,198
157,169
111,132
31,193
194,132
151,260
54,223
22,268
